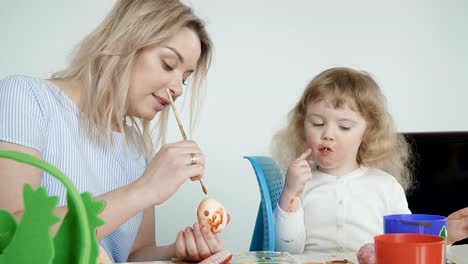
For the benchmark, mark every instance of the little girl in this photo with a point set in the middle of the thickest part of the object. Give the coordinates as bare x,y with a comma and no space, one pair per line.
347,166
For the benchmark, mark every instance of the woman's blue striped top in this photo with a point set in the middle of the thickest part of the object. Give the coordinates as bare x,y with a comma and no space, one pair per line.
37,114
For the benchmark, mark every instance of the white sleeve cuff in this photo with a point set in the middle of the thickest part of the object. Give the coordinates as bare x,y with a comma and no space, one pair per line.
290,230
289,225
299,214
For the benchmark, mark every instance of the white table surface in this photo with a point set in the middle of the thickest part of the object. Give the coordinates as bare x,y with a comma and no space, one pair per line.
457,254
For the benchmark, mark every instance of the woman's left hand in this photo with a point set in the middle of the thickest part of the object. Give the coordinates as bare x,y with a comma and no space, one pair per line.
457,226
197,243
103,257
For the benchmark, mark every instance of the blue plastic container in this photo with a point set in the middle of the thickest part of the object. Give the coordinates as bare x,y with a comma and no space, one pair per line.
416,224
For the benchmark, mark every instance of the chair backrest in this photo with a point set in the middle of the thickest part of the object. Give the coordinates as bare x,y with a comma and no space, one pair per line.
270,182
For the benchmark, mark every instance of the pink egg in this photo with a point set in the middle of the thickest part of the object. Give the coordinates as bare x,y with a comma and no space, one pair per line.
366,254
212,214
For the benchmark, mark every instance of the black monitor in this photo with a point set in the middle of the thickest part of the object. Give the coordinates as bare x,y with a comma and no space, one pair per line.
440,171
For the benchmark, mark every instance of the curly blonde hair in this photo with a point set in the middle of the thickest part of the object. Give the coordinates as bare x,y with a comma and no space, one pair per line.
382,146
104,60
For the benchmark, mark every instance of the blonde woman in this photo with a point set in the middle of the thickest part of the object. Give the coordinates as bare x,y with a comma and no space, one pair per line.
347,167
92,121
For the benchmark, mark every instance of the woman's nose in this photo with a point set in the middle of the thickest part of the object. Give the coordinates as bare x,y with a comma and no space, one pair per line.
176,89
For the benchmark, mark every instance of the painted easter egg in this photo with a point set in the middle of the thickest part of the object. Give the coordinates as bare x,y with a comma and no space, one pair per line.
212,214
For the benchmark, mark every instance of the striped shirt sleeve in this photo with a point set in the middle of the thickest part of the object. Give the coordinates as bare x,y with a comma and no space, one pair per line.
22,116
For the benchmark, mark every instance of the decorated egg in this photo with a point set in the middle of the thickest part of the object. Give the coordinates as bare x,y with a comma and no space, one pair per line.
366,254
212,214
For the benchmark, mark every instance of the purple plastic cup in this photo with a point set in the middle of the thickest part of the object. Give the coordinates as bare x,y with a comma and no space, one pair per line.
416,224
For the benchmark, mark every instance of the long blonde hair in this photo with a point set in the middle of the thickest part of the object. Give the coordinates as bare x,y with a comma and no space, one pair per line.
104,60
382,146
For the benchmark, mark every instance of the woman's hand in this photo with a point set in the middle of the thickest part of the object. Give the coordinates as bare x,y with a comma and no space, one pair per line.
171,167
197,243
457,226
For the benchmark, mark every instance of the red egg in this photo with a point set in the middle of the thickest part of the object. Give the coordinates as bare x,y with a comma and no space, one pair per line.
366,254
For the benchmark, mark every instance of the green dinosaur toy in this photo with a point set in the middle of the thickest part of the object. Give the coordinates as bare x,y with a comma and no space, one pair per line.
31,240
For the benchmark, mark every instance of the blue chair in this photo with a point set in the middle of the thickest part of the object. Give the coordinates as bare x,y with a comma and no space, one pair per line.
270,182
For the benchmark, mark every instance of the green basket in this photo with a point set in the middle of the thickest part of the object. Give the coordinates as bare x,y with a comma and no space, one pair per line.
31,240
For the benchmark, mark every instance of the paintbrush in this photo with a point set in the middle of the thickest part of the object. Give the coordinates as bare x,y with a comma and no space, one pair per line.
182,131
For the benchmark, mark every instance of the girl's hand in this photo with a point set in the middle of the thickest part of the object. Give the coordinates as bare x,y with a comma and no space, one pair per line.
197,243
299,172
170,168
457,226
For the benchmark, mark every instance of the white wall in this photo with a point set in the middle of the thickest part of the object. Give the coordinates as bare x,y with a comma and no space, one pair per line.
265,53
